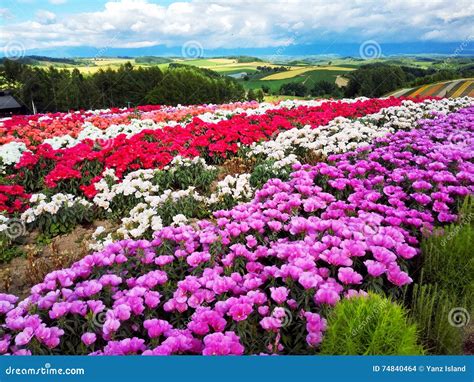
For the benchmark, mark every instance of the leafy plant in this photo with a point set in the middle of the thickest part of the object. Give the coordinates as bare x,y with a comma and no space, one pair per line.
431,308
265,171
371,325
446,284
186,174
448,260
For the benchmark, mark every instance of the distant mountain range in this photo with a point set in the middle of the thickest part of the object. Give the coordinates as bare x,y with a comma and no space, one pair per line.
335,49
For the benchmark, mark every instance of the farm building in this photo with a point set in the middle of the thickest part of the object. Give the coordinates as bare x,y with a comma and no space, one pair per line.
9,105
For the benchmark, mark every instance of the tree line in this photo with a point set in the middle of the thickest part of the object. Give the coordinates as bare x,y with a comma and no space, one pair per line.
375,80
52,89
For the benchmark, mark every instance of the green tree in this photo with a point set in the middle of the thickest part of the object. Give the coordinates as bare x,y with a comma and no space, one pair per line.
251,96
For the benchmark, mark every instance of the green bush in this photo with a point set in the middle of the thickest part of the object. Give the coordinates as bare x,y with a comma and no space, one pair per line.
445,285
431,308
448,260
372,325
265,171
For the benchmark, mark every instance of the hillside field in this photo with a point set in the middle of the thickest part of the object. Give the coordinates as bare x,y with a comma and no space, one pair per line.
452,89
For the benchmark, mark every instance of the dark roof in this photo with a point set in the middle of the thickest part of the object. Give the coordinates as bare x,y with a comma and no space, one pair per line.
8,102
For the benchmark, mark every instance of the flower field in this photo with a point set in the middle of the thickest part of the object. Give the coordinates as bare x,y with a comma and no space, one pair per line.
229,229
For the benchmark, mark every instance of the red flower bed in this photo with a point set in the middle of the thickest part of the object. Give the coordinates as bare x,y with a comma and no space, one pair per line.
75,169
34,129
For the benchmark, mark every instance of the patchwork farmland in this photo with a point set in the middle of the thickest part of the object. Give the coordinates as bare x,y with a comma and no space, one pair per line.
452,89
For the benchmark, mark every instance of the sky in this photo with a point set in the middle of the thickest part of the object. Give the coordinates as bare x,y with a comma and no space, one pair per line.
208,26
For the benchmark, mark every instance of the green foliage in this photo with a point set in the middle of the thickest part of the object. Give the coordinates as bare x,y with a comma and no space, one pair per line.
8,250
187,206
185,84
244,59
371,325
185,175
375,80
448,260
446,284
325,88
64,221
444,75
61,90
152,60
430,309
265,171
294,89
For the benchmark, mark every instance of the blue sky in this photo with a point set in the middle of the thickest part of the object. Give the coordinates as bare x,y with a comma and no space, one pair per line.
213,25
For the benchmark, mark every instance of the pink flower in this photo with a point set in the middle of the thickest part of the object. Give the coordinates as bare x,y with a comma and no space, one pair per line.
152,299
222,344
270,323
309,280
156,327
24,337
406,251
275,225
398,277
59,309
327,296
263,310
88,338
240,312
348,276
279,295
375,268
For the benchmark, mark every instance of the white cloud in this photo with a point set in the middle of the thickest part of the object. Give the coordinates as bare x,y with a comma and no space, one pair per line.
5,13
57,2
247,23
45,17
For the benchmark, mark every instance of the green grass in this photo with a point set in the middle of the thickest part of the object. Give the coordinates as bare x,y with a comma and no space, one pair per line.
274,98
228,72
309,78
202,62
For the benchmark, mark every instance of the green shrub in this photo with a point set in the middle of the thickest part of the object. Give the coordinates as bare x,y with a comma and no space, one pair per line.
448,260
265,171
372,325
431,308
445,284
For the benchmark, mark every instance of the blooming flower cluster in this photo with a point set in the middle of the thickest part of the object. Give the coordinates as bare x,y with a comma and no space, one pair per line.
343,134
34,129
263,273
143,195
75,169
